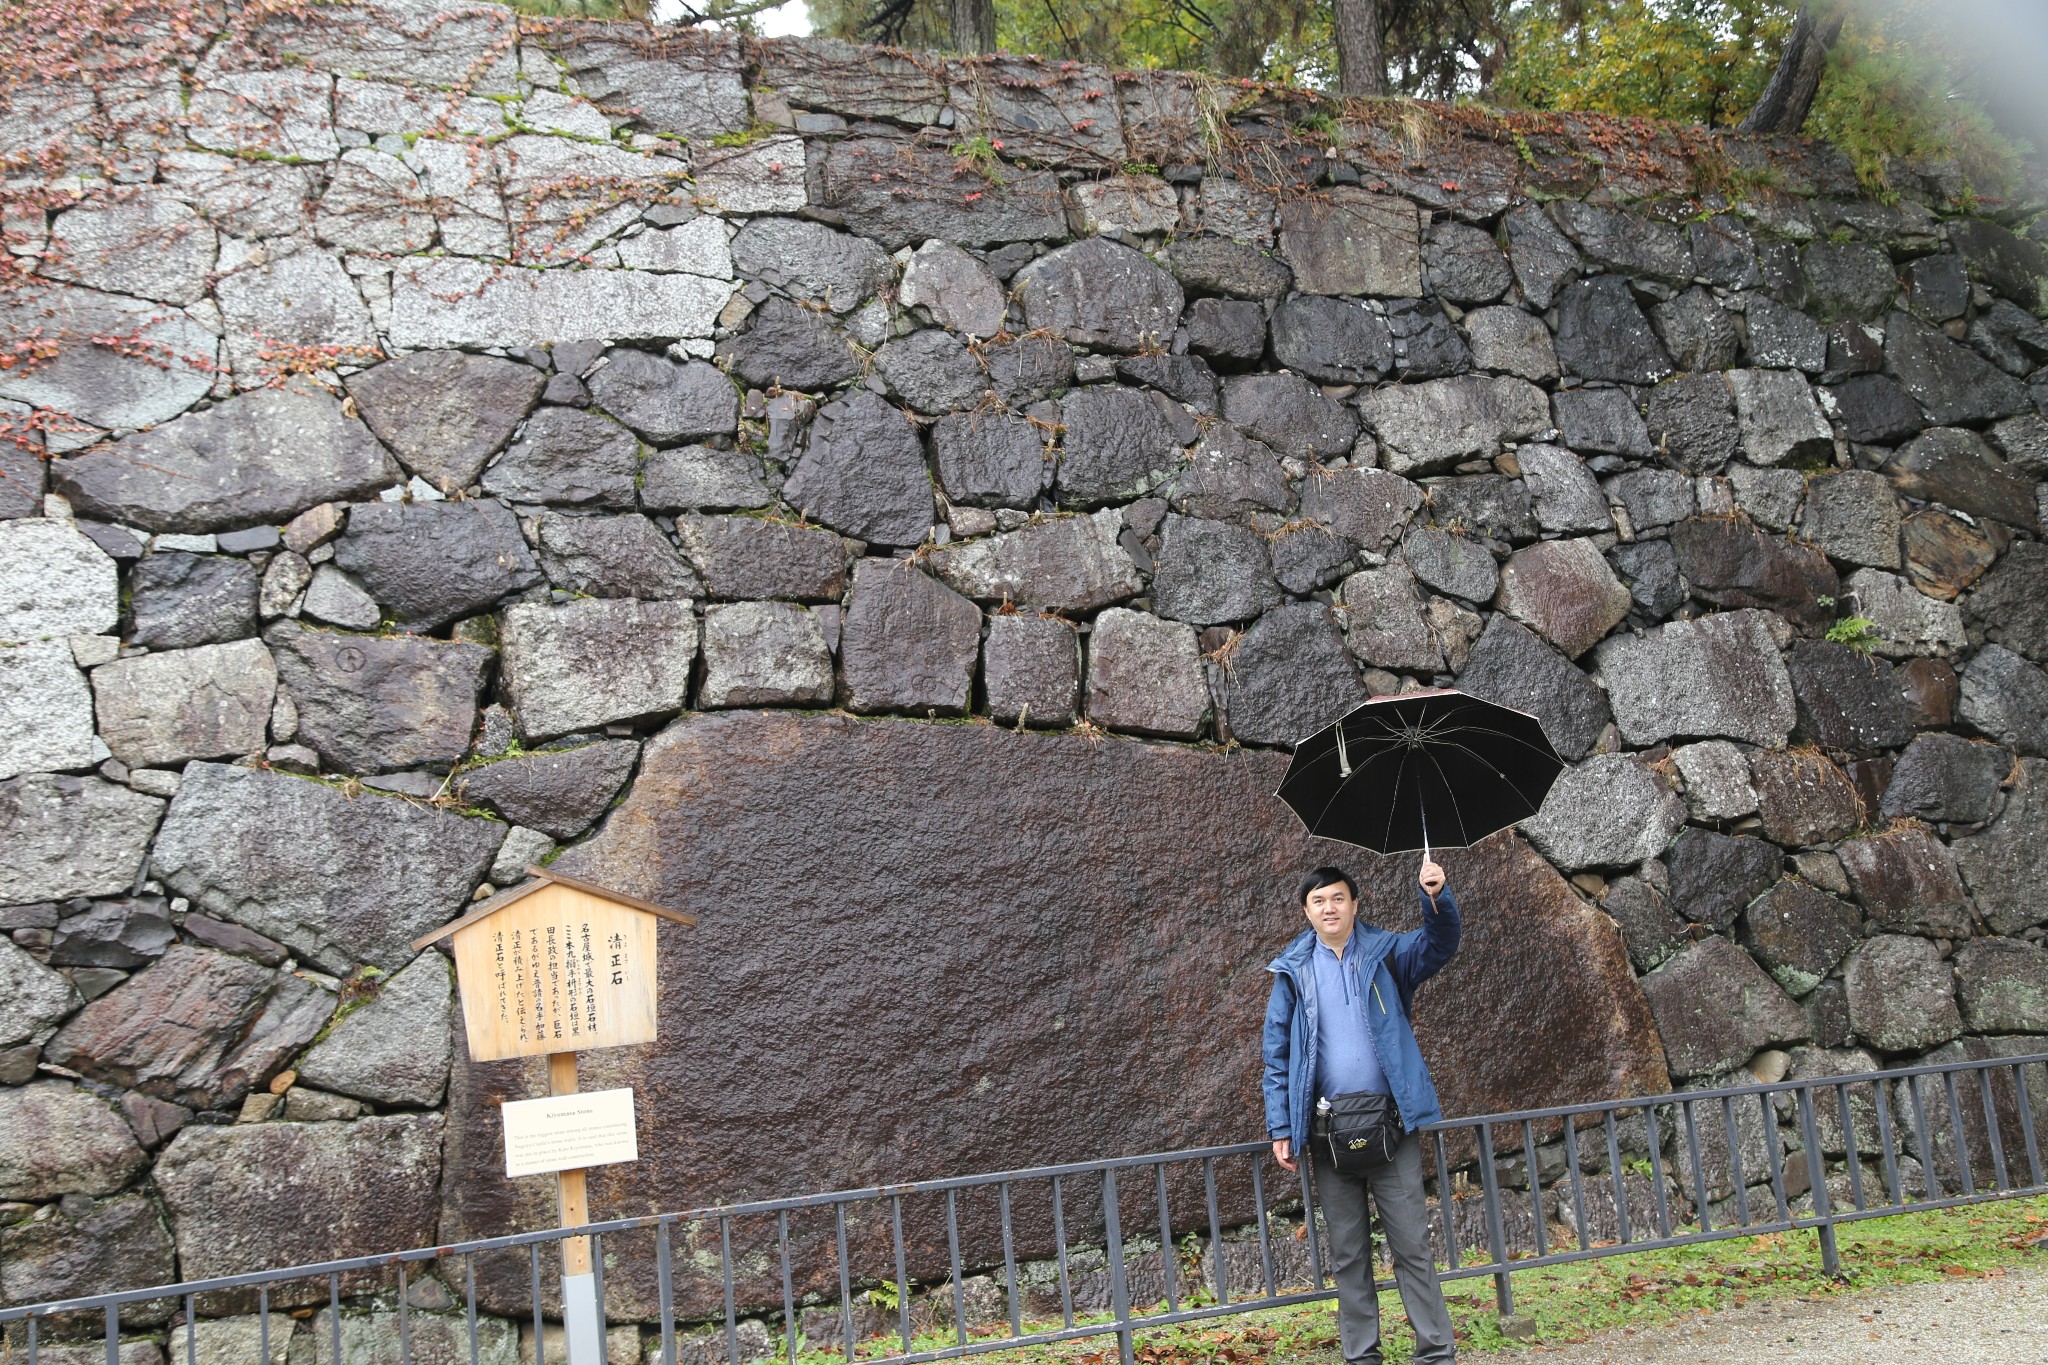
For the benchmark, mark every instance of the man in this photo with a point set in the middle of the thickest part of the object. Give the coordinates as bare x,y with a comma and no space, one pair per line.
1338,1024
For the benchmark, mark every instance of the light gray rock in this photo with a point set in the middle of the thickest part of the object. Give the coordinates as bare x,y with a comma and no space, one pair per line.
2002,984
1100,294
1853,516
1383,621
955,288
1348,241
436,1339
1716,676
46,711
32,997
395,1049
1780,419
1563,494
1145,676
1901,994
816,263
764,654
454,303
259,458
1369,507
1512,341
296,298
337,599
1717,785
337,879
374,203
908,642
169,367
1782,337
663,401
1286,677
150,246
57,1139
371,704
702,478
1652,498
1211,572
1905,620
864,474
1072,564
209,702
1430,426
1771,497
238,1340
284,578
589,663
623,556
523,848
2005,864
1609,811
71,836
1565,590
431,563
1716,1009
698,247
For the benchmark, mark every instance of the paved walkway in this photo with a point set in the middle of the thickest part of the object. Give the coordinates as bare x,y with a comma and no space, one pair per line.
2000,1321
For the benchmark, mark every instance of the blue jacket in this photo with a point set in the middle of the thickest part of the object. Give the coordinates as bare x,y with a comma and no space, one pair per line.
1398,963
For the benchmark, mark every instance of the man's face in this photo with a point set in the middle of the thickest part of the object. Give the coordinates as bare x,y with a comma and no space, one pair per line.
1331,912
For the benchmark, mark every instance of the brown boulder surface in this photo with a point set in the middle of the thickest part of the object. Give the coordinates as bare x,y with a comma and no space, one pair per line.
1110,1004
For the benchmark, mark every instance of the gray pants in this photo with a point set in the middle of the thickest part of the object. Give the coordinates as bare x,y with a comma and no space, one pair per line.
1397,1191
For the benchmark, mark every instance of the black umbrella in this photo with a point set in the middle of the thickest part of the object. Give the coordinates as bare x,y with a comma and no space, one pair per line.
1399,772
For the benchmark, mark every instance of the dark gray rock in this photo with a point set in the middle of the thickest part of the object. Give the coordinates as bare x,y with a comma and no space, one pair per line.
1464,264
663,401
1208,264
1800,934
1383,621
1719,675
909,643
1901,994
1427,345
2006,698
1723,252
1489,505
2023,440
1847,700
1512,665
1565,590
2005,864
371,704
1780,337
1100,294
560,792
1368,507
1025,369
1563,494
1232,334
1952,382
230,937
2002,984
339,880
1230,476
61,837
1655,582
570,458
1827,1014
181,600
1451,563
1431,426
126,933
990,459
1716,1009
1287,414
864,474
1848,280
1510,340
1697,331
1145,676
1647,925
1186,378
1652,498
1626,243
748,557
2013,340
1733,564
1692,422
120,1241
702,478
261,457
788,344
1802,798
1347,241
1118,445
1602,334
594,661
1770,497
1600,422
1854,348
1212,572
625,556
933,371
1956,468
393,1049
59,1139
816,264
430,563
1286,677
1307,556
2011,265
1938,287
1946,777
1780,420
1332,341
1875,410
1714,877
2011,602
764,654
1031,670
1543,258
1071,564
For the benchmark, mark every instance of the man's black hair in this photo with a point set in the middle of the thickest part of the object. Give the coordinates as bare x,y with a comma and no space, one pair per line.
1326,876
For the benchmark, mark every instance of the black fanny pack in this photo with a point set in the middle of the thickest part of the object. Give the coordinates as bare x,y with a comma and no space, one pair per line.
1358,1132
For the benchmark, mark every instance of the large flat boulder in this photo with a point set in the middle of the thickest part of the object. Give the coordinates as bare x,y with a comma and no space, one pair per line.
1716,676
71,836
1100,294
1609,811
429,563
178,704
595,661
1716,1009
120,362
56,1139
1428,427
339,880
370,703
394,1049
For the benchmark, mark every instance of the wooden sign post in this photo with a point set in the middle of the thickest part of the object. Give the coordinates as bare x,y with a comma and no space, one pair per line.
549,968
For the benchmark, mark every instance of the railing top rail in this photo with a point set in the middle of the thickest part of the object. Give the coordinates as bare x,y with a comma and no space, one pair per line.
756,1208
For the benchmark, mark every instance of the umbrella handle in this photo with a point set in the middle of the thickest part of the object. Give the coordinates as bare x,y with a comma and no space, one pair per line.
1424,811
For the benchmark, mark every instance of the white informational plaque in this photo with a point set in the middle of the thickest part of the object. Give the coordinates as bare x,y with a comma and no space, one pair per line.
569,1132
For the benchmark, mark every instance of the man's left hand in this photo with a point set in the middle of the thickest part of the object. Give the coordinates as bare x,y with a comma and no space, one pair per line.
1432,878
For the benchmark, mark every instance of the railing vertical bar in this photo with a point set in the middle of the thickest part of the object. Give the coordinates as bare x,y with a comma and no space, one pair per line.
1656,1141
404,1320
1535,1183
540,1335
788,1287
953,1260
1010,1261
845,1280
1119,1285
1259,1213
262,1325
596,1288
32,1334
2019,1080
1059,1238
1852,1146
1443,1201
1699,1174
191,1331
1578,1179
902,1272
1741,1177
1888,1139
468,1307
1620,1186
665,1286
1768,1112
1955,1126
1984,1083
1215,1230
1166,1260
1817,1182
725,1271
1503,1284
1308,1221
113,1330
1928,1178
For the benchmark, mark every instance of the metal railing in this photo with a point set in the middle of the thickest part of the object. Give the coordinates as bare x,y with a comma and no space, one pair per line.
937,1269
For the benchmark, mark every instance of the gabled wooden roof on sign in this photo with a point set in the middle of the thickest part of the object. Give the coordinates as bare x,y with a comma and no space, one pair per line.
540,877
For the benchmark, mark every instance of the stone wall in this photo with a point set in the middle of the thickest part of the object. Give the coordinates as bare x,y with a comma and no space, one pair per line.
901,511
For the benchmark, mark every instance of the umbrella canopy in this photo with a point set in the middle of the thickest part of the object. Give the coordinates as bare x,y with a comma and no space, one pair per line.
1401,773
